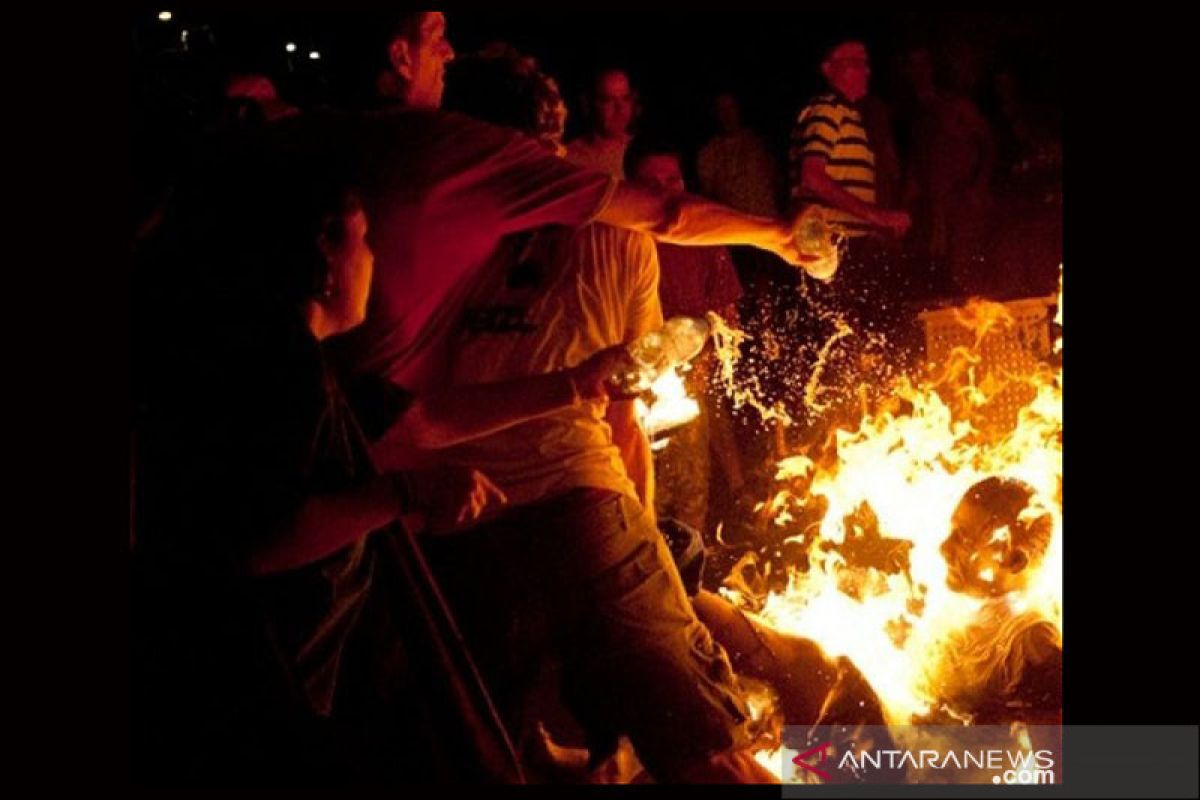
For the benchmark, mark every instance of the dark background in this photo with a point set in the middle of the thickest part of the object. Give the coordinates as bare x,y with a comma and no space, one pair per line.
1123,661
677,59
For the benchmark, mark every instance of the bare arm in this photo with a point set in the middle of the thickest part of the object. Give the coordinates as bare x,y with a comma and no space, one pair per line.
460,413
814,179
456,414
323,524
326,523
692,220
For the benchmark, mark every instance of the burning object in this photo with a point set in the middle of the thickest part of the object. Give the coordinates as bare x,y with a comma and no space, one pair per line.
925,545
998,537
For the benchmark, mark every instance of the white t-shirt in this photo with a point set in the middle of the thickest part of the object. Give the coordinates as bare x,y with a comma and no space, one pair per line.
557,297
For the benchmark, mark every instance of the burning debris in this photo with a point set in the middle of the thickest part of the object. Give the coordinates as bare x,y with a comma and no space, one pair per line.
909,569
1004,666
906,570
998,537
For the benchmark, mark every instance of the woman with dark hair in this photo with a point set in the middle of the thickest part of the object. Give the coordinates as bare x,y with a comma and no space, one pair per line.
277,633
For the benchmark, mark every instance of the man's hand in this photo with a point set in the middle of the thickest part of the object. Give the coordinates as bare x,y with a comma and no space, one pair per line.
453,497
593,376
814,251
782,242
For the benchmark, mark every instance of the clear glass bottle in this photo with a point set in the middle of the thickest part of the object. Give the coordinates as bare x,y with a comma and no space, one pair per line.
814,237
680,340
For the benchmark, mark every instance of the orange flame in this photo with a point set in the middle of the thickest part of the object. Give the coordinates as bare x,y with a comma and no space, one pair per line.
909,470
671,407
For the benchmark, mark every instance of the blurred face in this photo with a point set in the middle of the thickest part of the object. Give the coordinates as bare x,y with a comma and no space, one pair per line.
351,264
422,63
729,116
661,172
919,66
848,70
614,104
552,116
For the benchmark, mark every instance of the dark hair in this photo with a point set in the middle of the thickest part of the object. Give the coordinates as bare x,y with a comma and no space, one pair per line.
405,24
834,42
607,69
501,86
652,142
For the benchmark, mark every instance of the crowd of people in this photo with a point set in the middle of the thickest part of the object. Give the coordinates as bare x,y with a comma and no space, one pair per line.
394,521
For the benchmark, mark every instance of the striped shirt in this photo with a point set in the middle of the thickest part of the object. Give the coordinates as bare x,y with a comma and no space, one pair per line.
832,129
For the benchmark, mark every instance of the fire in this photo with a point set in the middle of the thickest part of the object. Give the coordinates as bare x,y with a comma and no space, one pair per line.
742,390
876,585
671,407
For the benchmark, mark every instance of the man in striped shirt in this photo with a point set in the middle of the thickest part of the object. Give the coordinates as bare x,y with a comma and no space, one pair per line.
833,168
832,162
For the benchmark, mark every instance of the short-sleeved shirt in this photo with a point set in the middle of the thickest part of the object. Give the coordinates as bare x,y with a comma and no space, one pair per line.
561,296
831,129
441,190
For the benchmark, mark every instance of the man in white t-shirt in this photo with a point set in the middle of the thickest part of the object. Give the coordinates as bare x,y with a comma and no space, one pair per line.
573,570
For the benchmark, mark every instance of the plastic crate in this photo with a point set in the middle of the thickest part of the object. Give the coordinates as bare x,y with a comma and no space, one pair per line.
1016,350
